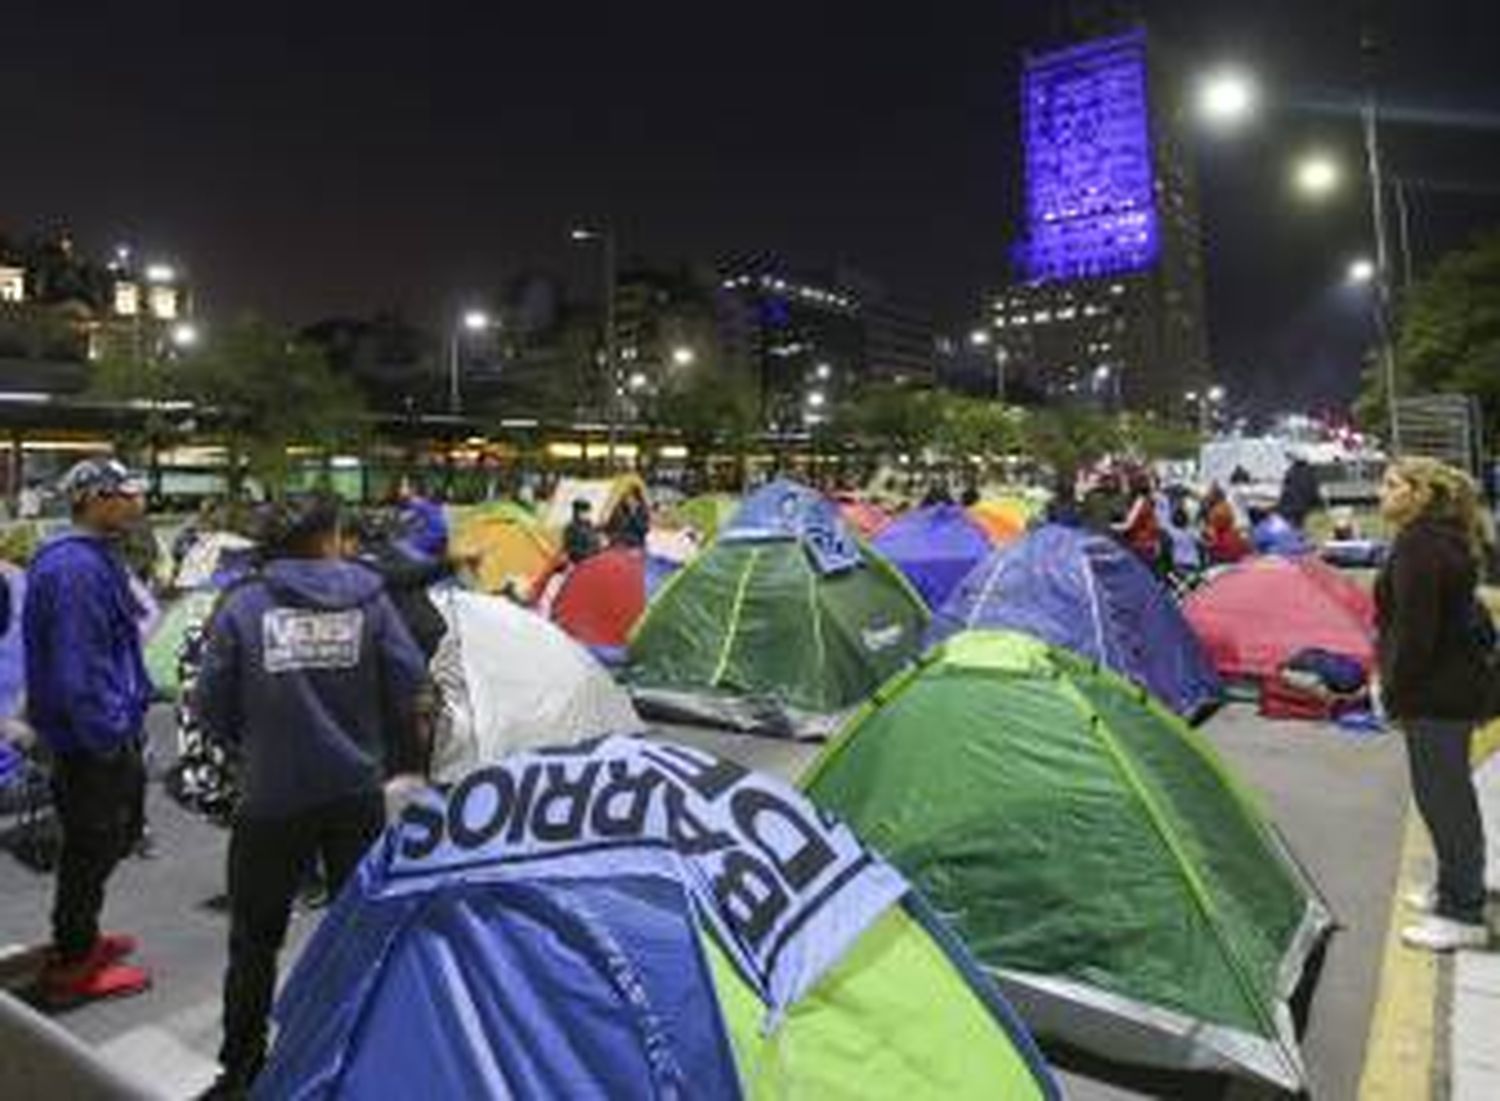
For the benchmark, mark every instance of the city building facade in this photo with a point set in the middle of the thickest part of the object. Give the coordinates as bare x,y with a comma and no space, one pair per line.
1107,302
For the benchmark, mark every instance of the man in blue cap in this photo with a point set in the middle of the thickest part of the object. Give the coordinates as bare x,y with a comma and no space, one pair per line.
87,694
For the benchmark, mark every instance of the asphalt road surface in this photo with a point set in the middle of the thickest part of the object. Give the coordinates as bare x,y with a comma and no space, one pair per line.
1339,799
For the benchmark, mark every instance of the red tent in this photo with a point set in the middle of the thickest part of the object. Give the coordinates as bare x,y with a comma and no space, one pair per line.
1255,615
861,515
600,599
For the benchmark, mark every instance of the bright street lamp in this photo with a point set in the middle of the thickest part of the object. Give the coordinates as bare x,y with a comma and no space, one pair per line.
160,273
1361,271
469,323
184,335
980,338
683,356
1227,97
1316,175
1215,394
824,372
816,399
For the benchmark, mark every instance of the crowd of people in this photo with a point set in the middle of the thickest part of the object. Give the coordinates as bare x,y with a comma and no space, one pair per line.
315,677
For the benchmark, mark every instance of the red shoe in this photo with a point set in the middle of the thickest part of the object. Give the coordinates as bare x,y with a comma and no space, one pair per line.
111,947
64,985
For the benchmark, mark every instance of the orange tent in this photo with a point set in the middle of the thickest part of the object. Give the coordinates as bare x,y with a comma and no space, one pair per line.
1003,521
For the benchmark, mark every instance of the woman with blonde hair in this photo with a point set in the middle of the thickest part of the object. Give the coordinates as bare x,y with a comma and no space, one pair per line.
1433,645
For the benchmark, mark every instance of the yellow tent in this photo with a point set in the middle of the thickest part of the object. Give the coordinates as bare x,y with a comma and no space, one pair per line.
512,547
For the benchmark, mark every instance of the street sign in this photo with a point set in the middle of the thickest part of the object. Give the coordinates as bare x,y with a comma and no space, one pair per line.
1447,427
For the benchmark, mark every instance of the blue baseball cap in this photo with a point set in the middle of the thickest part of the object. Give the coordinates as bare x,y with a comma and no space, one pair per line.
100,478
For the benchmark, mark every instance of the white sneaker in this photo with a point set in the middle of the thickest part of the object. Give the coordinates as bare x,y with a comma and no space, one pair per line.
1440,934
1421,899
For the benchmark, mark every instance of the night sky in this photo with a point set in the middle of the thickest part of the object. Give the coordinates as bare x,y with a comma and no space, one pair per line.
317,158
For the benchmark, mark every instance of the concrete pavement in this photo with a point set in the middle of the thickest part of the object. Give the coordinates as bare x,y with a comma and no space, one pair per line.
1436,1032
1340,800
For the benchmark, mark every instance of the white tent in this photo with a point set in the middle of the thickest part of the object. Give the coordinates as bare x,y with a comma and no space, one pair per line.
510,680
203,557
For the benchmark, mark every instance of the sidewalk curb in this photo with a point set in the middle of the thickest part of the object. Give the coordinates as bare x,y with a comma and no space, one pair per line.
1402,1045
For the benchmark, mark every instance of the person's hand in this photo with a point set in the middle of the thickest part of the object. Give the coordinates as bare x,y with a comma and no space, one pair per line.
401,790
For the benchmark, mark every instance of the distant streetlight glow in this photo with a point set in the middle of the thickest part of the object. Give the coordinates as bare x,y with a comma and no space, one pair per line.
185,335
1215,394
161,273
816,399
1227,97
579,233
980,338
1191,395
824,372
1361,271
1316,175
683,356
476,321
637,381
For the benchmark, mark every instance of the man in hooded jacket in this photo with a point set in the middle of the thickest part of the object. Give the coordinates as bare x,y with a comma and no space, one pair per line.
87,693
311,677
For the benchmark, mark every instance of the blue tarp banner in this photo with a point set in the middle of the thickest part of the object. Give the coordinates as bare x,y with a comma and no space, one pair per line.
787,510
787,888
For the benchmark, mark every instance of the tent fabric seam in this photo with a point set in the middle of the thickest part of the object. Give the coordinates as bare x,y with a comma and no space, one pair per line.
735,612
1196,887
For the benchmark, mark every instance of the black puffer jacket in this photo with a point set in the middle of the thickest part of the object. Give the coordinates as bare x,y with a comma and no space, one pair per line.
1432,663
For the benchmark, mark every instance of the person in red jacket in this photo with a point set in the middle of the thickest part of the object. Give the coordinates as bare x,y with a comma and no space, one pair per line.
1223,542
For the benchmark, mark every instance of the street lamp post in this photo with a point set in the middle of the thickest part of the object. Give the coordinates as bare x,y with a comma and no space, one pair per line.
471,322
606,239
1382,265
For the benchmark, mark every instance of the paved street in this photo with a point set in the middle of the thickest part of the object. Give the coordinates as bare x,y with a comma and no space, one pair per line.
1340,800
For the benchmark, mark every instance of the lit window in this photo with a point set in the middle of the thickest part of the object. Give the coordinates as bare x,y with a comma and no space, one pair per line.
1041,317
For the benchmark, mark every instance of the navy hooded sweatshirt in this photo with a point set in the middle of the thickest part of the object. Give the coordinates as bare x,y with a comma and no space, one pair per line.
309,672
86,685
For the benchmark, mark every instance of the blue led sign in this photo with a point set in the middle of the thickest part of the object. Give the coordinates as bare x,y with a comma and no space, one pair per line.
1090,183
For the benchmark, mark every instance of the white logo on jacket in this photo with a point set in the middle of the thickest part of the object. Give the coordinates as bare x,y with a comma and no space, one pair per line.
297,639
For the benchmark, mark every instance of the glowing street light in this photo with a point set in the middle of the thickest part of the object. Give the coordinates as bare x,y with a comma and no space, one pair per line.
824,372
185,335
816,399
1361,271
471,323
1227,97
683,356
1316,175
1215,394
980,338
161,273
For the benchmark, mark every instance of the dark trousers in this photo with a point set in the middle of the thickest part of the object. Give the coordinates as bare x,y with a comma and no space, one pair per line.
1443,784
100,802
267,859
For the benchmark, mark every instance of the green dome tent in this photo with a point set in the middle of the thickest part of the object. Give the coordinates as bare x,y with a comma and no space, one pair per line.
1090,848
751,635
164,645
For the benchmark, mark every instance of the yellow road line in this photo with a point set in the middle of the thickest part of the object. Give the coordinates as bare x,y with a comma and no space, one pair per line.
1400,1049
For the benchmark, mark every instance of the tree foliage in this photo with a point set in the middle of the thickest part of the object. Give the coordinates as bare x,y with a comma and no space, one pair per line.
1448,333
264,392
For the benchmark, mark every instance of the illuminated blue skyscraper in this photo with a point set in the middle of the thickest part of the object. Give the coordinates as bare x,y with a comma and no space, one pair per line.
1107,304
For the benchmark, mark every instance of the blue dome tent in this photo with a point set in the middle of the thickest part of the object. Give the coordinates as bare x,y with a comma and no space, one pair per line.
935,547
1091,595
636,920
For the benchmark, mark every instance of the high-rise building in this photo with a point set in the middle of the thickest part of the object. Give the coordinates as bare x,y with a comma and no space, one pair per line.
1107,301
811,341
